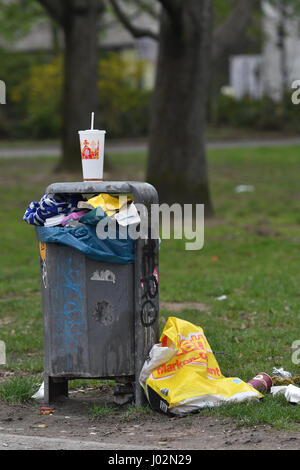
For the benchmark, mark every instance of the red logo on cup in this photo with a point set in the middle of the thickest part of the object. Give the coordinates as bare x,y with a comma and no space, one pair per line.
90,152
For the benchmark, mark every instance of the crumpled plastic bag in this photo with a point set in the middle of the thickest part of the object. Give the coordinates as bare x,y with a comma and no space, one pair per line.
85,240
110,204
94,216
124,217
281,373
157,356
39,395
183,374
291,392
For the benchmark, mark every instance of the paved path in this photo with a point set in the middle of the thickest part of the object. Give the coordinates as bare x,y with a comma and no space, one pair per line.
55,151
20,442
284,142
123,147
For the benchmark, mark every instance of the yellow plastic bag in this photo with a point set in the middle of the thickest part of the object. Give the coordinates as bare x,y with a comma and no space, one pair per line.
182,374
109,204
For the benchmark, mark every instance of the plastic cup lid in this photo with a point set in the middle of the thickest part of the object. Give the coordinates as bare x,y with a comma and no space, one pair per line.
93,130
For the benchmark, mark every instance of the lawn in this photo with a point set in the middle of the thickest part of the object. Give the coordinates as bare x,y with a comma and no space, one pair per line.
251,255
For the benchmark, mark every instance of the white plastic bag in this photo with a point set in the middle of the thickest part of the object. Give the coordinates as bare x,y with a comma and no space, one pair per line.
157,356
39,395
291,392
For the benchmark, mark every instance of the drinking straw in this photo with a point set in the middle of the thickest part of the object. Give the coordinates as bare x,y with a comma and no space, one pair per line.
92,121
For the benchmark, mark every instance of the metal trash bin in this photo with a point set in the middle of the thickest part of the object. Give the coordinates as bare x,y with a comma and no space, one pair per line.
100,321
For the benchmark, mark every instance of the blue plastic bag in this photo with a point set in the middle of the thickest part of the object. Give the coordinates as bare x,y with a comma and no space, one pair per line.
93,217
85,240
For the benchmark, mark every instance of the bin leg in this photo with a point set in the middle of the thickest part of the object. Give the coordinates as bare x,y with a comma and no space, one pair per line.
54,388
123,392
139,396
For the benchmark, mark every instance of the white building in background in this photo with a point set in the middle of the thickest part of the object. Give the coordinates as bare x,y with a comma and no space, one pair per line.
281,50
246,76
278,66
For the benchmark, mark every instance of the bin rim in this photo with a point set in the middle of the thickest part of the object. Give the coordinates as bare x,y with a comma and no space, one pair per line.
142,191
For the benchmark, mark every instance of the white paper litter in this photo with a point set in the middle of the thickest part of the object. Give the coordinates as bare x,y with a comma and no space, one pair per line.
128,216
2,353
39,395
244,188
222,297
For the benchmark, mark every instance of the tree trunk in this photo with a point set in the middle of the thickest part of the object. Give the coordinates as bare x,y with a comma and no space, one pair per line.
80,80
230,38
177,156
282,39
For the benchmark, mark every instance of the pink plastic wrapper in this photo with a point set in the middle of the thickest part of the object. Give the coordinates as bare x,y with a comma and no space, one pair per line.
74,216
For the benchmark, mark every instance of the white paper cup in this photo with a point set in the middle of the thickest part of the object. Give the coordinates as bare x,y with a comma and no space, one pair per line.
92,154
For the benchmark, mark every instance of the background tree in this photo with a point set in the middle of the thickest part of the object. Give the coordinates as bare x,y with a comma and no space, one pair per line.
177,161
188,44
232,35
177,157
79,21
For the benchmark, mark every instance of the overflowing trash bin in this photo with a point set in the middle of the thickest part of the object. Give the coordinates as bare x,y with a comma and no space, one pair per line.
99,296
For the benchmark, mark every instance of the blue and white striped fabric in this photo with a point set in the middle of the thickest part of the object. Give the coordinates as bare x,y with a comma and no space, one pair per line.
37,212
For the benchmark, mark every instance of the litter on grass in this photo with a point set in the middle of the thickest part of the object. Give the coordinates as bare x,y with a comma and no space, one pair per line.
45,410
244,188
39,395
261,382
2,353
281,373
222,297
291,392
182,375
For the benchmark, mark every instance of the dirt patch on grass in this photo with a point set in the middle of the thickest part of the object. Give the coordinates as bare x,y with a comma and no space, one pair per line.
179,306
125,425
6,374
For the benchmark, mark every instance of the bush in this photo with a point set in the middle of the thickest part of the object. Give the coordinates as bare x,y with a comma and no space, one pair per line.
41,94
124,102
34,107
15,70
261,115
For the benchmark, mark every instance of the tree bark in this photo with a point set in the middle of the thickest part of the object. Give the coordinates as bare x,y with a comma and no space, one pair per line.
177,155
228,35
229,38
80,76
79,20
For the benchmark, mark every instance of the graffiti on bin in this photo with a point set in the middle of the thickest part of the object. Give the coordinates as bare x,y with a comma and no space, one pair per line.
69,311
106,275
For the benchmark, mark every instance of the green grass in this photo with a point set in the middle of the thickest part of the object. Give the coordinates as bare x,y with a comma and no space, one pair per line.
254,235
135,413
131,412
86,383
18,390
271,410
97,411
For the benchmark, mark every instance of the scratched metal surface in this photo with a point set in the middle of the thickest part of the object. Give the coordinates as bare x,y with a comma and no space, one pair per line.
138,336
88,315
